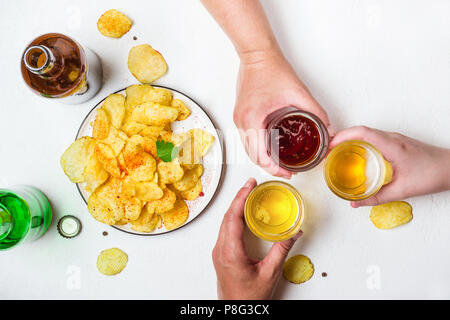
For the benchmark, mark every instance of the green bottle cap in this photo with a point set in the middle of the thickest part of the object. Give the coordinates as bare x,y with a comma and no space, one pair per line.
69,226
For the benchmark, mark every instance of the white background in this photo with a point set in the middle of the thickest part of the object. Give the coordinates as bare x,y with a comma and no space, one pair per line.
384,64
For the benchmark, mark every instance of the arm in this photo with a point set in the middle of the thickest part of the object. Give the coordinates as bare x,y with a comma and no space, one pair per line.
266,81
246,25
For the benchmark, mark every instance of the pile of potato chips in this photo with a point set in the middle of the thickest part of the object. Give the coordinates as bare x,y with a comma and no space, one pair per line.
128,178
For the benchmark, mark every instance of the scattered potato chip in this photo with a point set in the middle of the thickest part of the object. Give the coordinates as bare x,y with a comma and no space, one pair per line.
164,204
111,261
75,159
183,111
189,179
151,113
147,222
105,155
146,64
170,172
176,216
391,215
114,24
298,269
114,106
194,193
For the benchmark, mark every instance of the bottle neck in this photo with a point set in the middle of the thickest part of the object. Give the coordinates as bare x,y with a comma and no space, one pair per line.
40,60
6,222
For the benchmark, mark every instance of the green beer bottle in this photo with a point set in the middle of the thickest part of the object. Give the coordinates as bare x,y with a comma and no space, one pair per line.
25,215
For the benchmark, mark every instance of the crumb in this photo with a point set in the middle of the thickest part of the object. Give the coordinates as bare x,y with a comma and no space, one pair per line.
324,274
134,38
105,233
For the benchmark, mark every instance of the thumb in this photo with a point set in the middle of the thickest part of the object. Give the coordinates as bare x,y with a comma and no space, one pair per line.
372,201
279,251
387,193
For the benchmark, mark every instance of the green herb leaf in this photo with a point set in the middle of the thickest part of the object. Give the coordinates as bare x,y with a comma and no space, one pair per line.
166,151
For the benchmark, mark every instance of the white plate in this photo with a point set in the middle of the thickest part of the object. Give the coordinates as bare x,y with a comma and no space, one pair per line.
212,162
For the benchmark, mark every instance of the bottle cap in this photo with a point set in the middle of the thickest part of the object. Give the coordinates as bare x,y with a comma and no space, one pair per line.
69,226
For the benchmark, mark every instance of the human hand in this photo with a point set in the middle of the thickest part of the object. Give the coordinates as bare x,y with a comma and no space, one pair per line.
266,84
418,168
240,277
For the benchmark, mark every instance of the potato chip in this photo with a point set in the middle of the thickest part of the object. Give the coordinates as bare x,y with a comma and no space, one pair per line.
111,261
101,125
121,222
194,193
179,138
101,210
94,174
169,172
132,127
188,166
190,152
165,135
151,113
183,111
391,215
177,192
189,179
114,106
116,140
148,191
161,96
75,159
176,216
148,143
114,24
147,222
114,201
166,203
137,94
140,165
151,131
146,64
205,139
298,269
106,156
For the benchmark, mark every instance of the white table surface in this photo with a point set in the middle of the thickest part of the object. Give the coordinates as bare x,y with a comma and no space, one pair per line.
384,64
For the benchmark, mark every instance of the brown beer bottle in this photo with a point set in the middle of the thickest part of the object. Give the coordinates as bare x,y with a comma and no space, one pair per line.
56,66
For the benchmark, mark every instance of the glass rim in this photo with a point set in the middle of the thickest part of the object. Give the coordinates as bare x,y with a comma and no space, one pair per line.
323,137
297,224
379,180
